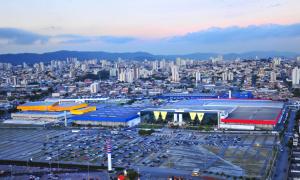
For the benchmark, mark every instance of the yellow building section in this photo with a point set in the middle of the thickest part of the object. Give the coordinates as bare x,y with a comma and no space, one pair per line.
51,106
83,110
37,106
68,106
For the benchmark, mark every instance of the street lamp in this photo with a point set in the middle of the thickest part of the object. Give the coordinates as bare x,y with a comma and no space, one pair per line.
50,165
10,171
168,158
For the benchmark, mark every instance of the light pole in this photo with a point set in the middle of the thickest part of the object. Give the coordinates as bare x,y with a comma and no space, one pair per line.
88,168
50,166
27,164
58,158
168,158
10,171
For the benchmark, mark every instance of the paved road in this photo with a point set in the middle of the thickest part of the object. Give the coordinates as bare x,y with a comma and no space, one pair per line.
163,173
281,169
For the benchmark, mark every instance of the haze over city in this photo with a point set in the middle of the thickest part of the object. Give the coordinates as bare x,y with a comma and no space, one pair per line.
159,27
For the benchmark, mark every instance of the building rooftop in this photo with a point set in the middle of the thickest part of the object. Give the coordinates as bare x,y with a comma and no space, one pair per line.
239,111
110,113
39,103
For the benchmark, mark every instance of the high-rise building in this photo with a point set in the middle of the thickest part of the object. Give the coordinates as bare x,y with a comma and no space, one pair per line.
230,76
25,65
129,76
217,59
126,75
175,74
155,65
95,88
42,66
15,80
198,78
72,73
136,73
84,67
225,76
162,64
273,77
113,72
276,61
121,75
295,76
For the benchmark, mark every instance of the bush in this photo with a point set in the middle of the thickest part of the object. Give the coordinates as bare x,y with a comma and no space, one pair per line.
131,174
143,132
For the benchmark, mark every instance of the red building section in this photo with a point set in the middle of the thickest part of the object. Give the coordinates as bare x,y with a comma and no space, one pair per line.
253,121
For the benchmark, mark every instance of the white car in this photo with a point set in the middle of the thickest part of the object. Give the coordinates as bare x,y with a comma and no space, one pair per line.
196,172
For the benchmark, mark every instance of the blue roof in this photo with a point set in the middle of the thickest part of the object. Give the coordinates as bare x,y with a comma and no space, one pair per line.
108,114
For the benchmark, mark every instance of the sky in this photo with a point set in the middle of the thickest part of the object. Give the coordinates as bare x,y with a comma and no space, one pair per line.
155,26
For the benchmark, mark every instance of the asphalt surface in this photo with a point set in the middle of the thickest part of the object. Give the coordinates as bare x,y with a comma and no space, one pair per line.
281,169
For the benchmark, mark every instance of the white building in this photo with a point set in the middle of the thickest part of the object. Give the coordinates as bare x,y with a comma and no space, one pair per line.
276,61
126,75
225,76
295,76
15,80
230,76
136,73
162,64
198,78
273,77
175,74
113,72
155,65
95,88
129,76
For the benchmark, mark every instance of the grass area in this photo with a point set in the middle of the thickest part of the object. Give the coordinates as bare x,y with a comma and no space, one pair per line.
201,128
53,165
151,126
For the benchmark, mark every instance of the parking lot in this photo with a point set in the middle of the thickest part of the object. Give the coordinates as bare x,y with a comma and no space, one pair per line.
233,154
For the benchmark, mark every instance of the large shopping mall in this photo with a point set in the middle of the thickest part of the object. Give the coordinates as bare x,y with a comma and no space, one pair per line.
225,113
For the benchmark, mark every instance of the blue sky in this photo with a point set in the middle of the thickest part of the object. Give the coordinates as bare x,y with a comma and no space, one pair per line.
156,26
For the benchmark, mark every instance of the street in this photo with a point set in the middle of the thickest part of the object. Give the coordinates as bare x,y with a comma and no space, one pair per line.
281,169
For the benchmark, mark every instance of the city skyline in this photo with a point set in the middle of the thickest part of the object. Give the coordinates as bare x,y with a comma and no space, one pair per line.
156,27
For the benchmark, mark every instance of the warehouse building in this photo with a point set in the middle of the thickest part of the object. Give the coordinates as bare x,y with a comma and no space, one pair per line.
48,111
224,113
40,116
113,116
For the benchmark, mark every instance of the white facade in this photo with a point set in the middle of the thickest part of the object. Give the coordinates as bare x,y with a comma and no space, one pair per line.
273,76
175,74
198,78
127,75
95,88
295,76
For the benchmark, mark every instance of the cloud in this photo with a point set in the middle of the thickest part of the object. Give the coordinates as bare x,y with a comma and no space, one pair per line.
235,33
115,40
23,37
18,36
71,38
231,39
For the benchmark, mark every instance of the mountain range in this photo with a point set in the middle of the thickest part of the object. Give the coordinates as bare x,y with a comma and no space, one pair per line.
82,55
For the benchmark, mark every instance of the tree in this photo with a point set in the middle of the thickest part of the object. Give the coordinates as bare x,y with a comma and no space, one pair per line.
131,174
103,74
